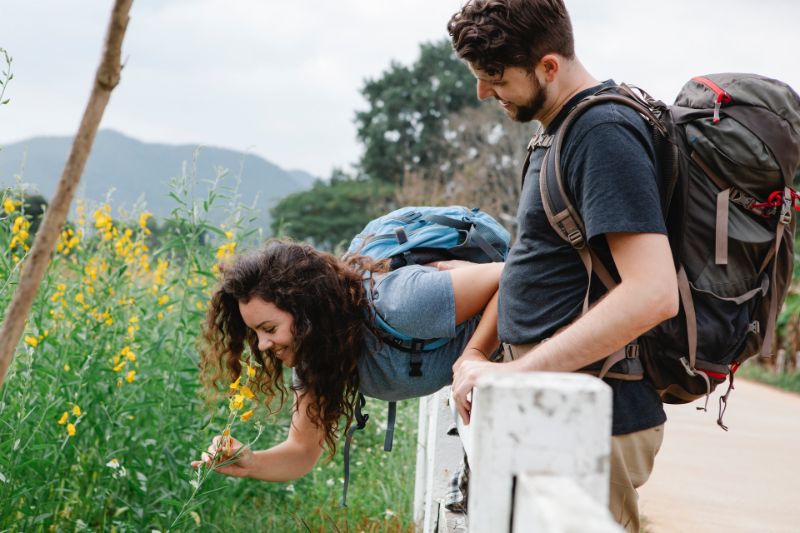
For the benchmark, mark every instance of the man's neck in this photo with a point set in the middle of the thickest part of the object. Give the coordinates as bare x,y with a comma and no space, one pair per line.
574,79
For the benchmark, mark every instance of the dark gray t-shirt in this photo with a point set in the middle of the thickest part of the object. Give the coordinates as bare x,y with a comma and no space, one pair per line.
417,301
608,162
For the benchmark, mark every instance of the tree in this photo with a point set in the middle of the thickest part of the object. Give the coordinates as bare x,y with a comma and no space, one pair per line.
330,214
402,129
488,152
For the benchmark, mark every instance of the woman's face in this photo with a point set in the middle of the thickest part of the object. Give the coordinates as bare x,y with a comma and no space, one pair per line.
274,327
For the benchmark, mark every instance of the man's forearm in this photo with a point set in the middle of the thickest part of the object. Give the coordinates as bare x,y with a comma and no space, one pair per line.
623,315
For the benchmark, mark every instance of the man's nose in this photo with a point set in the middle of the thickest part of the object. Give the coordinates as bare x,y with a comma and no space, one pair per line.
484,90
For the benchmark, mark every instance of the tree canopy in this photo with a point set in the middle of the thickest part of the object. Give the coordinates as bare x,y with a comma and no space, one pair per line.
402,128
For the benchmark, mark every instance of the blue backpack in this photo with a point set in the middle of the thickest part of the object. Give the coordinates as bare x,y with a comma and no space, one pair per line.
417,236
421,235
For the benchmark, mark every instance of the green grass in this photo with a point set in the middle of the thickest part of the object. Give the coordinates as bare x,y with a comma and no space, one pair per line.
785,381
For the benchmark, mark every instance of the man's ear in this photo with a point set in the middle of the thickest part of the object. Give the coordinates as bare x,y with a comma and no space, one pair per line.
549,66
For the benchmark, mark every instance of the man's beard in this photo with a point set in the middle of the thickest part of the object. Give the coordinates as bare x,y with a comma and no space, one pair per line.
526,113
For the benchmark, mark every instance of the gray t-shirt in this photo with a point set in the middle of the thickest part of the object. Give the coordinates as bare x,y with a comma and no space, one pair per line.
417,301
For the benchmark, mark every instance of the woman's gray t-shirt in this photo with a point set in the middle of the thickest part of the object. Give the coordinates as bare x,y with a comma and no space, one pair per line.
417,301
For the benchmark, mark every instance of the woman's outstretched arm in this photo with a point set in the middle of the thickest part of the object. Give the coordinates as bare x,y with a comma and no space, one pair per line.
291,459
475,288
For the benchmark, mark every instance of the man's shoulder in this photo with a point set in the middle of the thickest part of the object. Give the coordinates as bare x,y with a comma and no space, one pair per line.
610,114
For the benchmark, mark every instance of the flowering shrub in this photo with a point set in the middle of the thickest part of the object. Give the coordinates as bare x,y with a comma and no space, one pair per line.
101,413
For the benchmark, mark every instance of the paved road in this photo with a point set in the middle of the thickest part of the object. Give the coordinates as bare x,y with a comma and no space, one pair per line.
744,480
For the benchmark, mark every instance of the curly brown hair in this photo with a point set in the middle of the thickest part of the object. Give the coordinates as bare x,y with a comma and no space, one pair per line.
329,305
494,34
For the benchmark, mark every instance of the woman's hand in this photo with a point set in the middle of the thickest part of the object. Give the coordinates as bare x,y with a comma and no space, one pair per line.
228,456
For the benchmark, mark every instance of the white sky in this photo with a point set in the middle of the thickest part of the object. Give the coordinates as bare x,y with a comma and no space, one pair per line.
282,78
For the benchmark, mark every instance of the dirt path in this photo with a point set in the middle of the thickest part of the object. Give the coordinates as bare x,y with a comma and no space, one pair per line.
743,480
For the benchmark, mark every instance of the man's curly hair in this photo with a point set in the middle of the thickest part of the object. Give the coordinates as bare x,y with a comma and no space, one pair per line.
329,304
494,34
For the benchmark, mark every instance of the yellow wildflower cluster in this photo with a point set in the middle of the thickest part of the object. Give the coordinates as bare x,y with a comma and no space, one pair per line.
159,275
132,251
227,249
58,296
143,218
241,393
67,241
104,223
19,233
120,362
10,205
103,316
133,326
77,413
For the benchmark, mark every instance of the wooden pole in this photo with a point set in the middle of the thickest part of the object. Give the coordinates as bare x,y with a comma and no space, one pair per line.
107,77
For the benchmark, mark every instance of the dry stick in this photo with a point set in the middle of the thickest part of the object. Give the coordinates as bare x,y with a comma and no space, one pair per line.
108,75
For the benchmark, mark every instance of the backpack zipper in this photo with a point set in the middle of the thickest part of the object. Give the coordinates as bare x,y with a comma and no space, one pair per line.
722,96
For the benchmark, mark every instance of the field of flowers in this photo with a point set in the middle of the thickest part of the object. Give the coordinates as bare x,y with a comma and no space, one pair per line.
102,412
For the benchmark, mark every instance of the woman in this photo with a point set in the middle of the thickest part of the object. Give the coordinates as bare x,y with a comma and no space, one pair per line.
307,310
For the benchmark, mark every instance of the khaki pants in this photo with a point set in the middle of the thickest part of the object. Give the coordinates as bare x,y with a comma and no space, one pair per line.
632,459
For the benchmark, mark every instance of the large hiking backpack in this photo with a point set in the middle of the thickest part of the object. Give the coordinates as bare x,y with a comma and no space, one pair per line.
728,150
417,236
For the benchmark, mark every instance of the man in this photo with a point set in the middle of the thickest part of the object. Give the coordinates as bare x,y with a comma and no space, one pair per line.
522,55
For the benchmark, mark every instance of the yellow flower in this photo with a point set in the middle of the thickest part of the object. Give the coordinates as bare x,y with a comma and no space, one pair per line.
31,341
229,235
143,219
226,250
247,393
160,315
63,419
71,429
235,384
163,299
251,372
246,415
79,298
130,376
226,432
237,402
76,410
120,366
66,367
8,206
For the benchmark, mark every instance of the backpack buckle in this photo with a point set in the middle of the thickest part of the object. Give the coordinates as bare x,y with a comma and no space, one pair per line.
575,238
632,351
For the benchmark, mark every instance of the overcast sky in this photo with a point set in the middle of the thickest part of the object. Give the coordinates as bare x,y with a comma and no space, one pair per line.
281,78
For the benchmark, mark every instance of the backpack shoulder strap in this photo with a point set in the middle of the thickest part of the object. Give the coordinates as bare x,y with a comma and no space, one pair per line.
561,212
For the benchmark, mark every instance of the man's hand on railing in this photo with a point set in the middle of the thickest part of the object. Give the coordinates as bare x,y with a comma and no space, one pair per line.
466,371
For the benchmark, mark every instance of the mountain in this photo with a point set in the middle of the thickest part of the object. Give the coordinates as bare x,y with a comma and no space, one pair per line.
135,170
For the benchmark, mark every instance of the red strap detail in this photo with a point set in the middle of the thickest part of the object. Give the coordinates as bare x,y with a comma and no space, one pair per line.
735,366
715,375
722,96
775,199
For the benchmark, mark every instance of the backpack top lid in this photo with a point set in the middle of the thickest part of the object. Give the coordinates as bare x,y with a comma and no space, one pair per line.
450,232
768,108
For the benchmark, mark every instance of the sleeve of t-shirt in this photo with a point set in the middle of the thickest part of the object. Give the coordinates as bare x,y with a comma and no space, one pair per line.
612,174
417,301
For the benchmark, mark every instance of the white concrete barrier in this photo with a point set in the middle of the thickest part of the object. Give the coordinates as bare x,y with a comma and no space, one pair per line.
438,456
555,504
536,434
